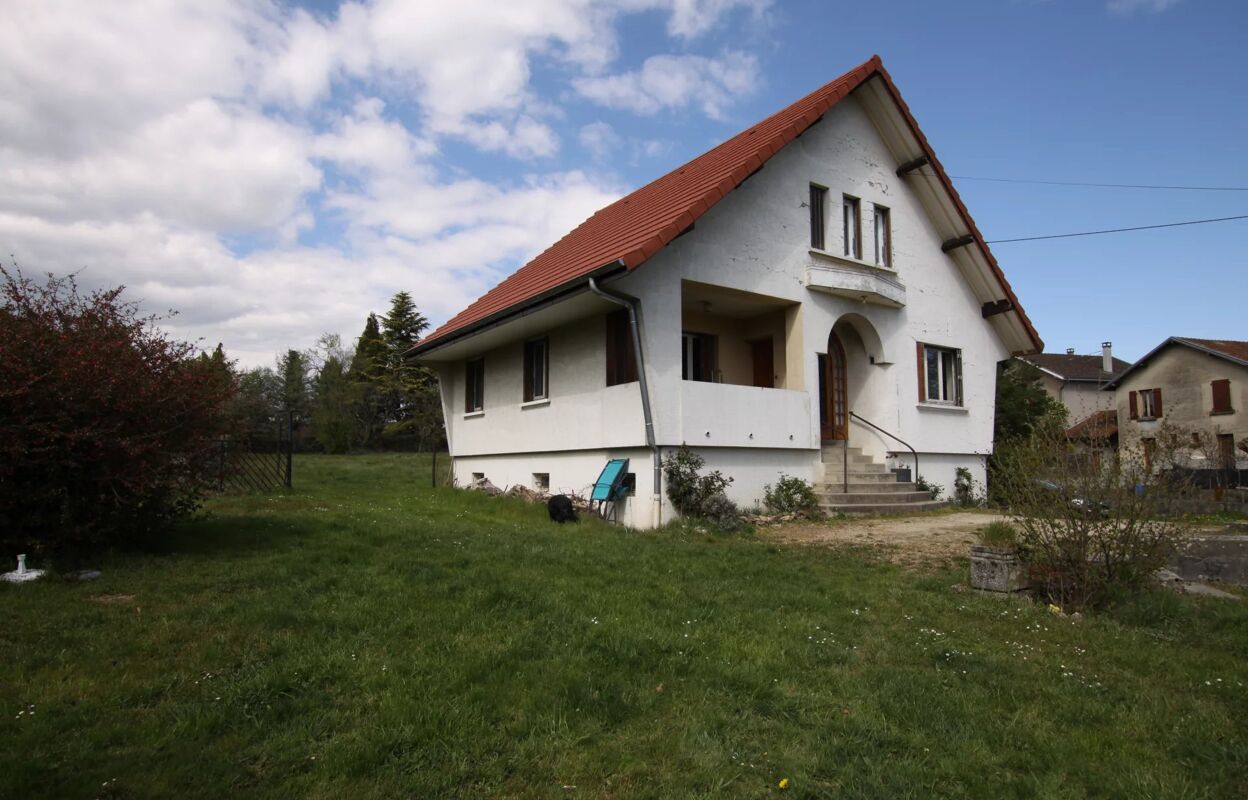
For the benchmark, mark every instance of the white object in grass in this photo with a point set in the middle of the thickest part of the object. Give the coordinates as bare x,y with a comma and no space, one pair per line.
21,574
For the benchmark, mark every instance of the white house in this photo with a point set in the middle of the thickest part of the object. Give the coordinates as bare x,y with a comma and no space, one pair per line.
809,294
1079,382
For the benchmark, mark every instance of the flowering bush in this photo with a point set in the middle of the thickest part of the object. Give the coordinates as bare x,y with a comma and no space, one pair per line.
106,425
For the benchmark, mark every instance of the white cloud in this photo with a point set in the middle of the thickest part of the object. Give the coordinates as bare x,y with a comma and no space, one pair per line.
200,152
1126,7
676,81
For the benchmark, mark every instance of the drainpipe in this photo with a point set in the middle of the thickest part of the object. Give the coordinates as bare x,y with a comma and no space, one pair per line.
631,305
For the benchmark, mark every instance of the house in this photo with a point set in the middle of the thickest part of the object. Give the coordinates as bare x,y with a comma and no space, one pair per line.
1199,387
808,298
1078,381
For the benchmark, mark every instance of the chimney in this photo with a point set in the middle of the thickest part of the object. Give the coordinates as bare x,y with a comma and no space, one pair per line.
1107,357
1070,351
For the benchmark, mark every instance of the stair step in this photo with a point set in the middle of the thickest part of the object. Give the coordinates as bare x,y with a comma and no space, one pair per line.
867,467
880,487
858,476
861,498
882,508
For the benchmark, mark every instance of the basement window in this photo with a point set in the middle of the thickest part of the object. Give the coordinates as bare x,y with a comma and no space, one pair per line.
541,481
851,226
478,477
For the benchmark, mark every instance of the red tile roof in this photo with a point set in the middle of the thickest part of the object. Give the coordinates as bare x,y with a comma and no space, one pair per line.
632,229
1227,347
1099,426
1076,367
1230,349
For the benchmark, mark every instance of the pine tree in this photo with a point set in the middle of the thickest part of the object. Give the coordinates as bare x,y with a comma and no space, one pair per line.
403,326
292,369
370,353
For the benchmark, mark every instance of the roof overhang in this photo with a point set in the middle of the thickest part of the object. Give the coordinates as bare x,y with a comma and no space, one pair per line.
1173,340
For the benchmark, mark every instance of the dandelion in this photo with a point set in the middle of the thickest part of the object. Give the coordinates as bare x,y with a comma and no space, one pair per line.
784,783
1055,609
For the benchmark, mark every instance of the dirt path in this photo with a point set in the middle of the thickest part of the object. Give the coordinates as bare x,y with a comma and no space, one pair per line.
930,539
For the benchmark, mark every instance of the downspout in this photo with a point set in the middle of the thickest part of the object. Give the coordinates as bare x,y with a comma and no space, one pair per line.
631,305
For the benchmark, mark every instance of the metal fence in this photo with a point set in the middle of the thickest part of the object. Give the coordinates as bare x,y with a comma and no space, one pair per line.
258,460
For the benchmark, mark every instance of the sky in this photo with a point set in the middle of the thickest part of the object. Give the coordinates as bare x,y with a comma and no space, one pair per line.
275,170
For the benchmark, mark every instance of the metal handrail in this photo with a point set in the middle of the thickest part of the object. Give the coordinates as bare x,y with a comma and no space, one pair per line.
913,452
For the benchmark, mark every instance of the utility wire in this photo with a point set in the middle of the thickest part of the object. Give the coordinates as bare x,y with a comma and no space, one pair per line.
1105,185
1116,230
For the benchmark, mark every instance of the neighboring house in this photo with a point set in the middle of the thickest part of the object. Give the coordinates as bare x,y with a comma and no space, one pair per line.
813,273
1197,385
1078,382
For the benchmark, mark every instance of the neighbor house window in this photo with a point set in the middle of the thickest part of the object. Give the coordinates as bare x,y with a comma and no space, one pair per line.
940,375
1144,404
474,385
698,356
818,201
851,226
1222,397
621,357
536,369
883,238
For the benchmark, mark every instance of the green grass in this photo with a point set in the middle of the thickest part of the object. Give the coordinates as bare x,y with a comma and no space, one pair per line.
366,636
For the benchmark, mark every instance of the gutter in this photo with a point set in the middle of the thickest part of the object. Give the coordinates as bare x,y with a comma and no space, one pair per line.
656,459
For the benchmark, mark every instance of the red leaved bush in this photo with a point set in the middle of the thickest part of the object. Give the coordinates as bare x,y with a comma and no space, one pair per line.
108,428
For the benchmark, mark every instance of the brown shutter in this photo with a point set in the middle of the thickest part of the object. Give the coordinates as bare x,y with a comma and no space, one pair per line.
1135,413
1156,402
528,371
922,375
1221,396
612,347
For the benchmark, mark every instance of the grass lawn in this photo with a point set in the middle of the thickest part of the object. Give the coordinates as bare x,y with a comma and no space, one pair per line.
366,636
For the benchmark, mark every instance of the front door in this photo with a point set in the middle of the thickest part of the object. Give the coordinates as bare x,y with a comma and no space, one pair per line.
833,405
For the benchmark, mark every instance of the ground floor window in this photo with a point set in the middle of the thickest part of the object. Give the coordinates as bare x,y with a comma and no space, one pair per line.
940,374
474,385
536,369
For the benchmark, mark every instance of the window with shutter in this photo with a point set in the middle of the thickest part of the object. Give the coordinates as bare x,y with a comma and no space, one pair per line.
940,375
621,357
818,220
1222,397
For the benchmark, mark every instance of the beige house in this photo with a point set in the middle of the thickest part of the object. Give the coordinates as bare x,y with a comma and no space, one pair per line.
1078,382
1198,385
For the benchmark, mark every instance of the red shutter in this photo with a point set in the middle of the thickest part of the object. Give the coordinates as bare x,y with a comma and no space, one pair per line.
1222,396
1135,413
1157,403
922,382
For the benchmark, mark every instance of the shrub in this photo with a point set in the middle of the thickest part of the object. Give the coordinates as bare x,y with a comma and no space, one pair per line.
923,485
998,534
697,495
966,490
107,427
1093,530
791,495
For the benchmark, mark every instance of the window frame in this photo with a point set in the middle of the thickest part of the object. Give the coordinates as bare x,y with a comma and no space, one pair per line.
948,375
884,249
1221,390
818,216
474,385
852,246
709,356
531,393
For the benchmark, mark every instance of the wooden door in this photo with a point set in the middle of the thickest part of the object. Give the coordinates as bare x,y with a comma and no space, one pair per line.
834,411
1226,451
764,363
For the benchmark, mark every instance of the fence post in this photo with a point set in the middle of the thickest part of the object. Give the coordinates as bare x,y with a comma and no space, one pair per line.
290,444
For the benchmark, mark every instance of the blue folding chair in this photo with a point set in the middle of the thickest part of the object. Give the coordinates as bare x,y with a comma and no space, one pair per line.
609,489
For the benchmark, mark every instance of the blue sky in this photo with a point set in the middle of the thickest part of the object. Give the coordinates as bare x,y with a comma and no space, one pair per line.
275,171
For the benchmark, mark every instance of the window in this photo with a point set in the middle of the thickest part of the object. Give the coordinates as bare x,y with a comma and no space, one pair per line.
1144,404
1222,397
698,356
621,357
940,375
851,226
536,367
883,238
541,481
818,198
474,385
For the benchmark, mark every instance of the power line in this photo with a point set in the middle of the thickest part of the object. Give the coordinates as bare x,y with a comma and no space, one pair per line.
1099,185
1116,230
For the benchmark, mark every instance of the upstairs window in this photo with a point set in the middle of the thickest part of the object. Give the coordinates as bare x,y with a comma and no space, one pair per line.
474,385
698,356
1222,397
1144,404
818,202
621,357
851,226
536,369
940,375
883,237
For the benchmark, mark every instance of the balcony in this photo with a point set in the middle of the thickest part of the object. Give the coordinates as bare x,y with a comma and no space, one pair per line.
727,415
857,280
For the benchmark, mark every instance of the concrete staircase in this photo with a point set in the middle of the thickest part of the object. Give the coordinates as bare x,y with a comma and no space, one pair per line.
872,489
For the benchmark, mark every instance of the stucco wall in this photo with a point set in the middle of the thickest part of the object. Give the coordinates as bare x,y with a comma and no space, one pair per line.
1184,377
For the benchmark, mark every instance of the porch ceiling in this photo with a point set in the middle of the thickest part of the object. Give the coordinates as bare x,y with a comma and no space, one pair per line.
722,301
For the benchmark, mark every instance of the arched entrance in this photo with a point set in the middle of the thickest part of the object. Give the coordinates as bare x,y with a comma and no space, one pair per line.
833,392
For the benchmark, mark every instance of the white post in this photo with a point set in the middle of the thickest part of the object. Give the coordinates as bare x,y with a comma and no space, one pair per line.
21,564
